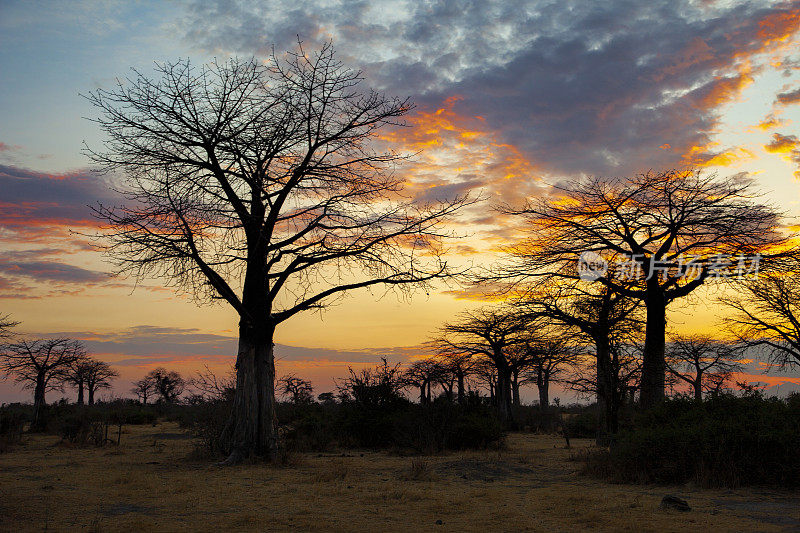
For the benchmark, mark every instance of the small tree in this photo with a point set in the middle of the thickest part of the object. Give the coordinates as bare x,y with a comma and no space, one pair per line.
298,390
489,333
549,359
99,375
214,387
143,389
421,375
702,362
41,365
168,385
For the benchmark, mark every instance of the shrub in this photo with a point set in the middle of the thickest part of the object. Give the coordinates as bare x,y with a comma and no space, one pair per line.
12,422
725,441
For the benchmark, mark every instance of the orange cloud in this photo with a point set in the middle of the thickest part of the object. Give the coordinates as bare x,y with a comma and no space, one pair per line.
782,144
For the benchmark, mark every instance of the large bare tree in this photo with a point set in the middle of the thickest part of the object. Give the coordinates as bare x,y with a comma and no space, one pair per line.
673,231
41,365
261,186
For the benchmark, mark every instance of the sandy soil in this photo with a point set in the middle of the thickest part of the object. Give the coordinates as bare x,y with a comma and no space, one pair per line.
150,483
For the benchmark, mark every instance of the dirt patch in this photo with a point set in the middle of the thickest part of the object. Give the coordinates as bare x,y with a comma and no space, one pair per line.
124,508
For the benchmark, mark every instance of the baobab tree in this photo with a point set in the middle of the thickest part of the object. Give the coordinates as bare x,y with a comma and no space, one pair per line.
698,359
143,389
669,232
41,365
167,384
98,375
766,314
490,333
548,359
298,390
421,375
261,186
590,315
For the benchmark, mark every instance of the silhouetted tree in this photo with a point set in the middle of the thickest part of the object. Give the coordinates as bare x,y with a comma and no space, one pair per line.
767,314
143,389
549,358
167,384
6,326
421,374
654,222
98,375
377,386
298,390
260,186
214,387
702,362
598,316
41,365
489,332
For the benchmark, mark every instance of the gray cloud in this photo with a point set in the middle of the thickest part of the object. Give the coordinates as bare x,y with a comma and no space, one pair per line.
580,87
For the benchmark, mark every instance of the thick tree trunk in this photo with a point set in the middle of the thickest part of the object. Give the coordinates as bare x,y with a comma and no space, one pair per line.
503,394
653,364
91,395
515,388
251,428
423,399
606,397
698,388
80,393
543,385
460,387
38,403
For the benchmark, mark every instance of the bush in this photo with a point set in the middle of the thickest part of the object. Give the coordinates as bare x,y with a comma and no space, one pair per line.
725,441
12,422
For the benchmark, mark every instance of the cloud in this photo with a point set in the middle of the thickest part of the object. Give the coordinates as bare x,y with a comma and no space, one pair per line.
791,97
786,145
572,87
34,205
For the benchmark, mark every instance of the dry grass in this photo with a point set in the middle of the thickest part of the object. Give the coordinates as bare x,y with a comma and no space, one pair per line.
149,483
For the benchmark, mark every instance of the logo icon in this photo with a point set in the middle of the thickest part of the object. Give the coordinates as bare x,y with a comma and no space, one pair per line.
591,266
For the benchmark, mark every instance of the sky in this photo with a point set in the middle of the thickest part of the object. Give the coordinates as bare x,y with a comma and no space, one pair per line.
511,98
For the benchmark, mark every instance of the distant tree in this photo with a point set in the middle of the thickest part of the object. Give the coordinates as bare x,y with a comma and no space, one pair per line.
76,376
549,359
702,362
327,398
421,375
298,390
167,384
41,365
259,185
767,314
99,375
456,365
593,316
378,386
6,326
489,333
214,387
675,230
143,389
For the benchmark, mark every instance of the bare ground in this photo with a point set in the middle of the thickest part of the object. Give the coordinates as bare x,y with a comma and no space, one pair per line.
150,483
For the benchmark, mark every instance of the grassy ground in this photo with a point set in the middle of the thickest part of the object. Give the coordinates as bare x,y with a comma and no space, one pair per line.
149,483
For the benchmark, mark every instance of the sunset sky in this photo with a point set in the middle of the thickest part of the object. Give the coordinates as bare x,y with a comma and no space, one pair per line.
511,97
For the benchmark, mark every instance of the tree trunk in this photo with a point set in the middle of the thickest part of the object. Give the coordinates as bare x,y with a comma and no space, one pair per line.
698,387
543,384
80,392
91,395
460,387
38,403
653,364
503,393
606,398
251,428
515,388
422,398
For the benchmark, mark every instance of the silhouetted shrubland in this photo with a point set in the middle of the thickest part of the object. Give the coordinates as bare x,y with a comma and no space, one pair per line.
725,441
